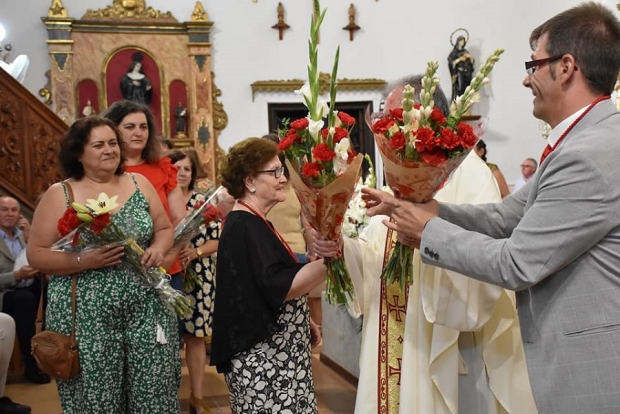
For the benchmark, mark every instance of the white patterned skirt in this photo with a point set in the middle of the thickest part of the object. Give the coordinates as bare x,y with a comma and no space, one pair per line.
275,376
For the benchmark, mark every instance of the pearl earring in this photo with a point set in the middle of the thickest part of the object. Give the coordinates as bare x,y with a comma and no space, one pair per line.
252,190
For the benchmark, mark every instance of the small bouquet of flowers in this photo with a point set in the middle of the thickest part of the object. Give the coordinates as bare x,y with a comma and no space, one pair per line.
323,166
421,147
84,227
203,213
355,219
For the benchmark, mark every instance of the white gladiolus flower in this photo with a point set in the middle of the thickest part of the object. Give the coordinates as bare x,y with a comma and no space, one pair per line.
342,148
324,108
305,91
314,128
340,161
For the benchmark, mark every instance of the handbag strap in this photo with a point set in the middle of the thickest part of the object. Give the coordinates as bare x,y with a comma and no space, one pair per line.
39,321
69,195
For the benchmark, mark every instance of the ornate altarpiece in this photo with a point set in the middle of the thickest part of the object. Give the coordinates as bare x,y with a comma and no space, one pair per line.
90,55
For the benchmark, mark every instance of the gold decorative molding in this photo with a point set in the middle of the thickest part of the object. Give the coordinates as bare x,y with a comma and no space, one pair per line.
128,9
199,14
344,84
57,9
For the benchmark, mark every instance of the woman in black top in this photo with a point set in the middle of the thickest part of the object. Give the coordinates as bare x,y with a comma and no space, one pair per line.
261,326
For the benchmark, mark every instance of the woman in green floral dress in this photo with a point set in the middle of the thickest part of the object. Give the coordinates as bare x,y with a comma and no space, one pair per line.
127,338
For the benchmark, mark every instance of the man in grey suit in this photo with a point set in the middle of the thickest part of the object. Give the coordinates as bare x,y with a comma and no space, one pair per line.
15,300
557,240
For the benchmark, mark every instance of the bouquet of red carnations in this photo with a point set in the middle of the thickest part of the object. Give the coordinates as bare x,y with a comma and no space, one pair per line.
202,214
84,227
421,147
322,164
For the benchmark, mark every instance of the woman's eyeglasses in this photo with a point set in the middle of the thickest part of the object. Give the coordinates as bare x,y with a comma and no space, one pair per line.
277,172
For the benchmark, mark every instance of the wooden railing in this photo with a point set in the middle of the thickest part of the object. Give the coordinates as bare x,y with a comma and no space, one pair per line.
30,133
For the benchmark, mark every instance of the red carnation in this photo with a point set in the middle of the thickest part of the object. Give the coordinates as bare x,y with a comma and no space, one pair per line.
301,123
100,222
449,140
438,116
324,132
466,132
435,157
382,125
210,213
351,155
397,141
397,113
68,222
285,143
425,140
311,169
339,134
346,119
323,153
293,135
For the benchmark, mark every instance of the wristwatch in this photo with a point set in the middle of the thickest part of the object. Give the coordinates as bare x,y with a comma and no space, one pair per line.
198,252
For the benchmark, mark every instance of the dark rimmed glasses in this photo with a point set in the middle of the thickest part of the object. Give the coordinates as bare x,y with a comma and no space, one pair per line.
532,66
277,172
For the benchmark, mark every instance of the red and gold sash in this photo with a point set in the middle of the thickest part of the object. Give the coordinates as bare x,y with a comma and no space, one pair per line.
392,312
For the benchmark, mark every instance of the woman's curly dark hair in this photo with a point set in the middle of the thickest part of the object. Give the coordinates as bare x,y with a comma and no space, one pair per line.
244,159
73,142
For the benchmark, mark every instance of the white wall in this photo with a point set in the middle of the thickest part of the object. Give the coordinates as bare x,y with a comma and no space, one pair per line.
397,38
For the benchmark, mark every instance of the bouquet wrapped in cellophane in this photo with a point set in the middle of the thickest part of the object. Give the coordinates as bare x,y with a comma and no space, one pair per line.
202,214
420,148
90,226
322,164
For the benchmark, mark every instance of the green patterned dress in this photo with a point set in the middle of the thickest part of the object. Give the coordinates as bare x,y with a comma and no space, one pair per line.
125,367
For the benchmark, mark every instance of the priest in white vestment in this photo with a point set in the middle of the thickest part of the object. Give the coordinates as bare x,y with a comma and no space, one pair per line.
449,344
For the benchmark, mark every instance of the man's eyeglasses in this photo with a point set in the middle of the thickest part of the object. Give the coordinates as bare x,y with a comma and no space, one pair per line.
277,172
532,66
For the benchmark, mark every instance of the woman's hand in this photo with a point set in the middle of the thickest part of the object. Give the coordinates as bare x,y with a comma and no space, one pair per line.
187,255
152,258
315,334
103,257
326,248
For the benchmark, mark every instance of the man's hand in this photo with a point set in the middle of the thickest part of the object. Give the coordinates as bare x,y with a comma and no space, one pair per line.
379,202
24,225
25,272
409,219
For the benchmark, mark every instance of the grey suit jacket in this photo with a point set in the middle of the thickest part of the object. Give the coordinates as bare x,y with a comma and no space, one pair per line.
7,261
557,242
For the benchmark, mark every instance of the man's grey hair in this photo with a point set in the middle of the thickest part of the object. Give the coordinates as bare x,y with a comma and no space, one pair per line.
415,81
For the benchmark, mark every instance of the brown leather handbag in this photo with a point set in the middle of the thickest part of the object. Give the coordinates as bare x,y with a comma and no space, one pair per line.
57,354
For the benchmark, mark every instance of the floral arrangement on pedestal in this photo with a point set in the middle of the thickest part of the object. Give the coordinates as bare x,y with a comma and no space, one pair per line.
90,226
421,147
322,163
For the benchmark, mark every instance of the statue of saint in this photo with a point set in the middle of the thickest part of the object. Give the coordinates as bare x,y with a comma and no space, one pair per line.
461,65
135,86
88,109
180,114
